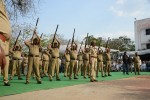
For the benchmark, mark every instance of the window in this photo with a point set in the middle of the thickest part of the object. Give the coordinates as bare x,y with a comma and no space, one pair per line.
147,31
148,46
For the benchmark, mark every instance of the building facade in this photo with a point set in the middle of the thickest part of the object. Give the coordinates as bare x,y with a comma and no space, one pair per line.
142,34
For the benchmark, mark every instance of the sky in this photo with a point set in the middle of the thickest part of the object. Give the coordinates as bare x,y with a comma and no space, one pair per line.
100,18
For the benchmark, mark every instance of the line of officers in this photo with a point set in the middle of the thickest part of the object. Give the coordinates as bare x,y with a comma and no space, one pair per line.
46,62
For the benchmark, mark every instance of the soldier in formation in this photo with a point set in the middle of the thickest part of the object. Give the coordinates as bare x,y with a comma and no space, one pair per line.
16,56
93,61
33,60
54,65
100,62
67,62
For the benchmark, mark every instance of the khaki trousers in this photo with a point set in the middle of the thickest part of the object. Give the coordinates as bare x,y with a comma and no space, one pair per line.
16,68
85,67
73,68
25,67
66,72
100,68
33,64
40,67
80,67
137,68
5,46
93,68
54,66
45,65
107,67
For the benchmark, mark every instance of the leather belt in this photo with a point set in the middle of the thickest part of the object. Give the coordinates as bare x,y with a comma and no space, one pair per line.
73,59
55,57
33,55
15,59
45,60
2,37
86,59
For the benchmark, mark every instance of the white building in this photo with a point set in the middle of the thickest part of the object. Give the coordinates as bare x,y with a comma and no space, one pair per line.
142,34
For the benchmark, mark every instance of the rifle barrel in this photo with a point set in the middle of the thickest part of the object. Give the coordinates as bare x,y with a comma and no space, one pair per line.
55,34
17,37
41,35
37,22
73,36
56,29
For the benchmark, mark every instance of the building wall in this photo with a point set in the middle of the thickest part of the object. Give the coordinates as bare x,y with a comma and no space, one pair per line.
141,39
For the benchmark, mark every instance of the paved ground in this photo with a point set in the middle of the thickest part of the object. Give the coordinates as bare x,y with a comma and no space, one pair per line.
136,88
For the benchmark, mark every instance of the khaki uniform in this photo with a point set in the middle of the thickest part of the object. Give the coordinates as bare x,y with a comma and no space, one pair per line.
108,63
25,65
136,60
73,63
100,64
40,64
80,63
6,29
67,65
33,61
86,65
45,63
16,55
54,65
93,66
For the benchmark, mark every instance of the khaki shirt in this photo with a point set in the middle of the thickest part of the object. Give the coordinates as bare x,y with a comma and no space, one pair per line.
80,56
45,57
33,49
16,54
86,56
40,56
73,54
93,52
54,52
100,57
67,57
4,21
136,59
108,57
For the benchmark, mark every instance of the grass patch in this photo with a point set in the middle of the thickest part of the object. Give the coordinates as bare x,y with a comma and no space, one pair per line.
18,86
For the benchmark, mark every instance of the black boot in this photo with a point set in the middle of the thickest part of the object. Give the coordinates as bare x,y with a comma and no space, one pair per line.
6,84
39,82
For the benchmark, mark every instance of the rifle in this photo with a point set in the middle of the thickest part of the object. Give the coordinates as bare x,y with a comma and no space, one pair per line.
107,43
81,45
68,44
41,35
86,41
54,35
17,38
73,38
35,28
